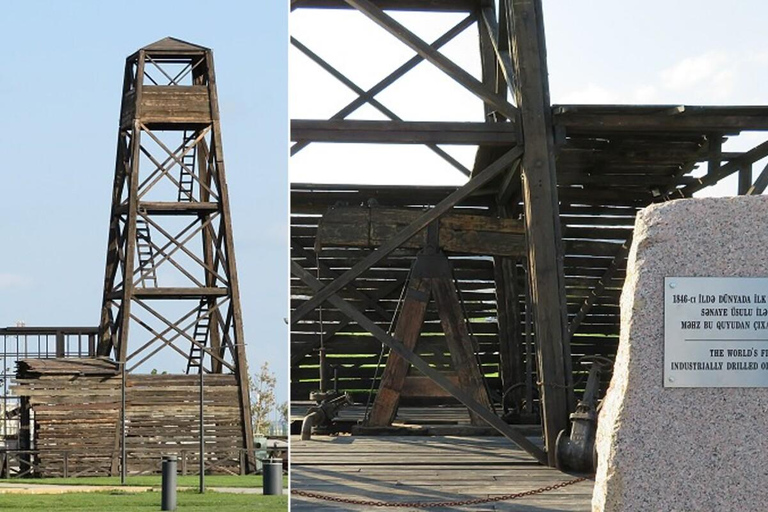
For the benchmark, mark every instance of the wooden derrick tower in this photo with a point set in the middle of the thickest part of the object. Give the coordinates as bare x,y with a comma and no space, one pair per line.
171,283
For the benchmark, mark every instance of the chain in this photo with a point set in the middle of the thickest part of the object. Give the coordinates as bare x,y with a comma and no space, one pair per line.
436,504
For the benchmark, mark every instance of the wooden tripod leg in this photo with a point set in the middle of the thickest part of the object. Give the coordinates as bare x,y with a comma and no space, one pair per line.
459,342
407,331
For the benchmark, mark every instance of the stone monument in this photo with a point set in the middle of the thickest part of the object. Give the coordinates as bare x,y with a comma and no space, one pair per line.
684,425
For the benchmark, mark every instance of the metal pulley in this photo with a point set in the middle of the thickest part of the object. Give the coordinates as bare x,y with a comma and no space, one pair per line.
576,452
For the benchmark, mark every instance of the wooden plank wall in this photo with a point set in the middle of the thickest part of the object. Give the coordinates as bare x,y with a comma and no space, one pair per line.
80,413
593,231
354,352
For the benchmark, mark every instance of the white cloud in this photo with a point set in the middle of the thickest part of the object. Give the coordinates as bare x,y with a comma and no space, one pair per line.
711,75
691,71
706,78
8,281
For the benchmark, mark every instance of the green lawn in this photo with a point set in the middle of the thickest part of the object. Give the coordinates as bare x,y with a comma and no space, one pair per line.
150,480
120,502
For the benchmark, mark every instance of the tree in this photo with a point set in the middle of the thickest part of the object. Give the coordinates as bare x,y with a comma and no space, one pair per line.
285,410
262,398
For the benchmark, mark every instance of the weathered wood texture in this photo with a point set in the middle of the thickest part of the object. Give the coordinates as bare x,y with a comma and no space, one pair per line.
371,227
408,328
168,105
405,5
170,86
407,469
542,212
402,132
593,233
76,408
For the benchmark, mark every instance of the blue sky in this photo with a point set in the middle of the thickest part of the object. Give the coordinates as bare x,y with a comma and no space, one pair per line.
60,85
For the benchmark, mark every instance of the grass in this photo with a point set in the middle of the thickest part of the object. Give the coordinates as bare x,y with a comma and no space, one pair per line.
149,480
121,502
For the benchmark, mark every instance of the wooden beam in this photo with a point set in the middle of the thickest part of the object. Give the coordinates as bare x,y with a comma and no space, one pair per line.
745,179
460,345
239,355
444,64
511,368
715,153
173,208
700,120
297,354
370,302
372,101
421,365
174,293
509,189
403,132
394,76
500,48
352,226
599,288
399,5
760,183
367,301
407,330
753,155
545,251
406,234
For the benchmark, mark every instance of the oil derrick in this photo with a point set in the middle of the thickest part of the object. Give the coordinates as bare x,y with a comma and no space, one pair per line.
171,281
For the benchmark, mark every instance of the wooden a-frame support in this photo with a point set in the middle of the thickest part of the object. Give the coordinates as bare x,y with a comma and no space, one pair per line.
398,348
431,277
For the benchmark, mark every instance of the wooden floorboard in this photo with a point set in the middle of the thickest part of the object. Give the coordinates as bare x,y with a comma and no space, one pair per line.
408,415
407,469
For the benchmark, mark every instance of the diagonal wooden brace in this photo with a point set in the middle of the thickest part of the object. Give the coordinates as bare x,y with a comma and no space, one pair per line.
400,349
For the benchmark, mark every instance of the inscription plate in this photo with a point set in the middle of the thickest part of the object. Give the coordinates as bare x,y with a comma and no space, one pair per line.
715,332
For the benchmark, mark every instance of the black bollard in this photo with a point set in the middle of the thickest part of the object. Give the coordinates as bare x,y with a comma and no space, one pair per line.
273,476
168,499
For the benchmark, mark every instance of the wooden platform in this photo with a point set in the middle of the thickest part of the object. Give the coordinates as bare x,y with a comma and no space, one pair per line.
446,415
406,469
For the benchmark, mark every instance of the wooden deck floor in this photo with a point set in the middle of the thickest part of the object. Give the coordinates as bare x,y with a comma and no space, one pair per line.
426,469
445,415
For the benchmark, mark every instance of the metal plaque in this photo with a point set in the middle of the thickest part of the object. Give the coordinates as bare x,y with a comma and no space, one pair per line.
715,332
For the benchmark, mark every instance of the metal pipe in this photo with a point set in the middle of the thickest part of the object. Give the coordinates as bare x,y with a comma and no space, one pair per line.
201,486
123,466
310,420
272,479
168,498
528,345
323,369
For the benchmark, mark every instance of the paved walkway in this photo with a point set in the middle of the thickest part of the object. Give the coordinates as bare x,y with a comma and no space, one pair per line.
27,488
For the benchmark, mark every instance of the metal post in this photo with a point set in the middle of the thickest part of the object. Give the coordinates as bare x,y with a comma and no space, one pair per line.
528,346
273,476
123,458
168,498
201,489
60,345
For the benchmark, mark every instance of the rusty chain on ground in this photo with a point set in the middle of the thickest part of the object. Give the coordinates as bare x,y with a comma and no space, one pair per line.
436,504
